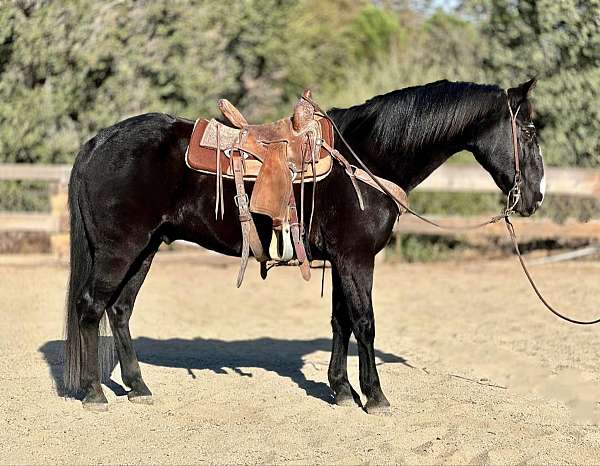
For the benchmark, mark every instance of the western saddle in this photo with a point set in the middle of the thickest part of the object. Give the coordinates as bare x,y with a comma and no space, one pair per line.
274,157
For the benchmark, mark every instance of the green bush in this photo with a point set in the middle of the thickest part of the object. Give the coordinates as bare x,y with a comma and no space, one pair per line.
419,248
559,42
29,196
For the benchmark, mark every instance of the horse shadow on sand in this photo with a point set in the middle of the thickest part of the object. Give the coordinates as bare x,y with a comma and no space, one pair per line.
284,357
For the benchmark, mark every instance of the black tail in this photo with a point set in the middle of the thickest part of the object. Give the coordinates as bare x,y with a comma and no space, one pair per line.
81,263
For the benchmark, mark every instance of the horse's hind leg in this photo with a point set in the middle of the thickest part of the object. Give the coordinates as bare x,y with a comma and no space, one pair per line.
106,276
119,314
341,327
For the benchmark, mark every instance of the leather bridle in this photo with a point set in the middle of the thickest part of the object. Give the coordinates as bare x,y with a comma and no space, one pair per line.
514,195
512,199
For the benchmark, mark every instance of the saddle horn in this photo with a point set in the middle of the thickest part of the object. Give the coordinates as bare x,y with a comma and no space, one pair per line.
304,112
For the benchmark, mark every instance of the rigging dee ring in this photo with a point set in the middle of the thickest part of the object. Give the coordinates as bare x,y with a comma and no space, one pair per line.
243,153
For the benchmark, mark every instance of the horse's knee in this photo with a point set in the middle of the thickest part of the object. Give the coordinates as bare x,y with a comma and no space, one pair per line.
364,328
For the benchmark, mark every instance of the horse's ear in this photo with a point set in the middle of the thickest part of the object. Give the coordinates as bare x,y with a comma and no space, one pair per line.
529,86
519,94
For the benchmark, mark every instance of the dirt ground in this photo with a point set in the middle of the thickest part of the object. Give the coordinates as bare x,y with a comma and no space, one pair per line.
476,370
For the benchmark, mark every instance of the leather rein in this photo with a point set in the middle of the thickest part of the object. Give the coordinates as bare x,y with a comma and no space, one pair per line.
512,199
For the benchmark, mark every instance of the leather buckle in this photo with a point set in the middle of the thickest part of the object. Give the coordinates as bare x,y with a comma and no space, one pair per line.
241,201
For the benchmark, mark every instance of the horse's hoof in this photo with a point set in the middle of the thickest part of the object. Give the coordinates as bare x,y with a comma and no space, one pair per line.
381,408
344,400
344,395
140,394
95,407
140,399
95,400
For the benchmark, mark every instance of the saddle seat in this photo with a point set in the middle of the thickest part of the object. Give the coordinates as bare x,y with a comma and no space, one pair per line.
296,132
201,154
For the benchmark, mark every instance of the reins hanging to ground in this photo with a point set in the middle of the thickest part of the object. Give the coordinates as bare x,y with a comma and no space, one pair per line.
511,202
513,238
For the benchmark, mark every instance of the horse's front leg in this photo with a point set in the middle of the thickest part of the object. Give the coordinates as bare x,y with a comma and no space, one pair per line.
342,328
356,283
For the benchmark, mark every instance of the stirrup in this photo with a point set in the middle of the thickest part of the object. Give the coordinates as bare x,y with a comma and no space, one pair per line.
283,243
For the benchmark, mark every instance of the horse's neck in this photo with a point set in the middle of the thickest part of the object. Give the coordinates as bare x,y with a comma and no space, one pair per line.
413,168
407,169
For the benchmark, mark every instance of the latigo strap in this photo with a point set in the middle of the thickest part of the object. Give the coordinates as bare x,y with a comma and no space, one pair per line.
250,238
297,238
219,202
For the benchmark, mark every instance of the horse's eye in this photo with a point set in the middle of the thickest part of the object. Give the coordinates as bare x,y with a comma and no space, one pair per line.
528,132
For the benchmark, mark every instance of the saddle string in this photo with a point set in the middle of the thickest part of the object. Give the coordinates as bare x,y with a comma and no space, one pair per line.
315,153
219,198
218,162
302,167
512,200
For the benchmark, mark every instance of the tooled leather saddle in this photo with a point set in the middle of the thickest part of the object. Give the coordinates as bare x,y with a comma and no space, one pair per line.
273,156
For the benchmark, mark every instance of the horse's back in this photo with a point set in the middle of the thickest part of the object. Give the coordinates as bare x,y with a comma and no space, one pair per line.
136,135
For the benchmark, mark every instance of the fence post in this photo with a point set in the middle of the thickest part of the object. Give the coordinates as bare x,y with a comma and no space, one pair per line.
59,239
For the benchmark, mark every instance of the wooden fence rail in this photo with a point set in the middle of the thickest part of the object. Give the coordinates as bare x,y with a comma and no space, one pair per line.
579,182
574,182
449,178
35,172
527,229
56,222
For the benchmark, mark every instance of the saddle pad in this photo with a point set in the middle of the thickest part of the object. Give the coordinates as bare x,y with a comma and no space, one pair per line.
201,152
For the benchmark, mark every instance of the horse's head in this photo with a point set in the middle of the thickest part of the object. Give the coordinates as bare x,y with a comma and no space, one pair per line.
494,150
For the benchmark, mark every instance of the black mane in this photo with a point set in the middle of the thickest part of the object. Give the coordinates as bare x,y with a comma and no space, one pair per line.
407,119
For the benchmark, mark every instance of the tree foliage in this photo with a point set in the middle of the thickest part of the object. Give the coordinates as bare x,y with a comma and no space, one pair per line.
559,42
68,68
74,67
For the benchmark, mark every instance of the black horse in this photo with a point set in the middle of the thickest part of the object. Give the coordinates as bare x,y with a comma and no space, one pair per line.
130,190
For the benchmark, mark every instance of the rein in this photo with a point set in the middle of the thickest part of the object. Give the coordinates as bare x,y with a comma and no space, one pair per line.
512,199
